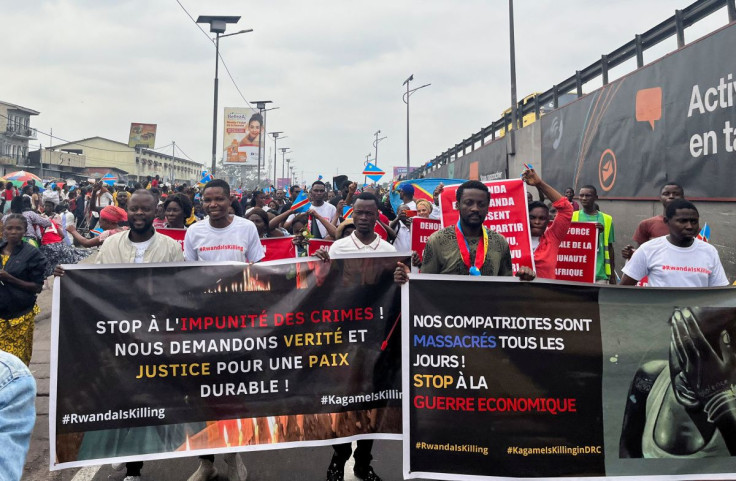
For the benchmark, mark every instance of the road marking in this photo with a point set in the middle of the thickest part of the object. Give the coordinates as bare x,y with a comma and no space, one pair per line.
86,474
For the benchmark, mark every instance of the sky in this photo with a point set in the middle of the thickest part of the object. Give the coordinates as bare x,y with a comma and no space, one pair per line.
335,69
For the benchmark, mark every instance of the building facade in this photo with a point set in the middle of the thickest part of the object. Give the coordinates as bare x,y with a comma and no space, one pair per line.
15,133
133,164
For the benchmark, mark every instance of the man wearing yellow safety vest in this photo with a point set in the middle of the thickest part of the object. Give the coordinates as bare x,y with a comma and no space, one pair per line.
604,270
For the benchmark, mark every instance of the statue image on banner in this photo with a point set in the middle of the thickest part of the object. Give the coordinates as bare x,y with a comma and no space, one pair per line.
685,406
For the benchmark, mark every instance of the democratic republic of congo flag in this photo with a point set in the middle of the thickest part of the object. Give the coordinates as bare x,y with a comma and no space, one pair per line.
347,212
301,203
373,172
206,177
704,234
423,189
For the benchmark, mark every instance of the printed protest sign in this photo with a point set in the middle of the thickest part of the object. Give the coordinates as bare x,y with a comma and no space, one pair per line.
545,380
421,229
222,357
576,258
317,244
507,214
277,248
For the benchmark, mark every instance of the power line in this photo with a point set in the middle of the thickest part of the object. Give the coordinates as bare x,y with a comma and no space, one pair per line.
219,54
185,154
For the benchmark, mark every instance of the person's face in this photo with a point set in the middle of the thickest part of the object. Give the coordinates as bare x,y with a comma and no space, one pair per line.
295,192
538,220
13,231
141,212
174,215
254,129
273,205
346,232
423,210
160,211
106,224
670,193
684,225
216,203
569,193
48,208
473,207
122,199
587,198
297,226
365,213
256,219
529,197
279,195
318,193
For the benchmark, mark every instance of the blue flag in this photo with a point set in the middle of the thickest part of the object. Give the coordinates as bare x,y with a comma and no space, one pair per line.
301,203
373,172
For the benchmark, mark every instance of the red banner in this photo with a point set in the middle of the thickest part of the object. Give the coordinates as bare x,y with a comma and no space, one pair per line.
421,229
176,234
277,248
507,214
576,259
315,244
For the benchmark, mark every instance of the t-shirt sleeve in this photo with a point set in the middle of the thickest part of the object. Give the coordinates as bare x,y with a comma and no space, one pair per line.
254,251
190,253
717,278
637,267
642,233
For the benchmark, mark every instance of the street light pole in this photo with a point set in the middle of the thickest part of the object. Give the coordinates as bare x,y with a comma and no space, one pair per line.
218,24
275,148
261,106
375,144
283,156
367,159
406,101
512,149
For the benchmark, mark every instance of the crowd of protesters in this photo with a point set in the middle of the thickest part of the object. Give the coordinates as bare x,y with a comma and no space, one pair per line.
45,228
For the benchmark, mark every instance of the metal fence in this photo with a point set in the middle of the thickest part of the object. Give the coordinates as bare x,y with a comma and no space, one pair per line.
673,26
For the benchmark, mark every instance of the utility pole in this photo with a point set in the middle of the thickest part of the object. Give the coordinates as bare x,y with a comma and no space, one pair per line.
173,159
375,144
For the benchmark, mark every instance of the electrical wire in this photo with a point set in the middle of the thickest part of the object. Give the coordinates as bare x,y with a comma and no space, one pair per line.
232,79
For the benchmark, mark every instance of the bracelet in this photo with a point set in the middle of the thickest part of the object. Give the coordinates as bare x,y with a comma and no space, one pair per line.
720,404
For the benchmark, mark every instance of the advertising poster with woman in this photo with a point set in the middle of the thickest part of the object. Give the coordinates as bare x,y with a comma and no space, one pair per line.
242,135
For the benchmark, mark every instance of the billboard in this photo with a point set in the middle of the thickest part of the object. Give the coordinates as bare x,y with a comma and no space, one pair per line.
142,135
401,171
242,135
671,120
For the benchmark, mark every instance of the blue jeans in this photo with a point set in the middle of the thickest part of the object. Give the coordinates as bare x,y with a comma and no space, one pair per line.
17,415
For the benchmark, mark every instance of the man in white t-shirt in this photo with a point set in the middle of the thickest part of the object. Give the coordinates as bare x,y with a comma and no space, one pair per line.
678,259
317,196
221,236
363,240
